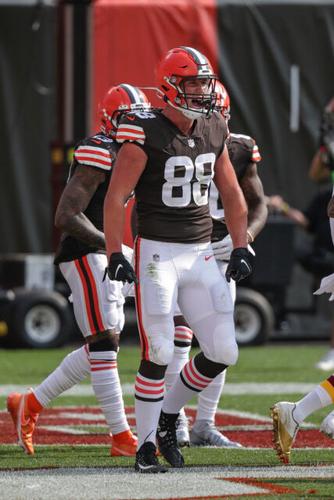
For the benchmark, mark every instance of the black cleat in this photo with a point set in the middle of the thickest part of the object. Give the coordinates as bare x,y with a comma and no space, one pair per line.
146,460
167,440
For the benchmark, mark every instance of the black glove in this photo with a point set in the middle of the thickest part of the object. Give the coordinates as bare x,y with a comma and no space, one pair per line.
240,265
119,269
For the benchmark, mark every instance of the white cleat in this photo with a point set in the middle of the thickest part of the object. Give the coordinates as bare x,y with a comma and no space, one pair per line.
205,433
285,429
182,430
327,425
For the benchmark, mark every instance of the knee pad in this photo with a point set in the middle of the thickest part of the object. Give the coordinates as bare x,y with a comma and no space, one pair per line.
220,346
160,336
161,350
105,344
226,352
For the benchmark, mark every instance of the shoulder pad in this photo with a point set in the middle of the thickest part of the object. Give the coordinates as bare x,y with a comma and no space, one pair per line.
249,144
93,153
132,127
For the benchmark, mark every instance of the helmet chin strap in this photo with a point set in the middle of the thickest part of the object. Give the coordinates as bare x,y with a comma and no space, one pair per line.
191,114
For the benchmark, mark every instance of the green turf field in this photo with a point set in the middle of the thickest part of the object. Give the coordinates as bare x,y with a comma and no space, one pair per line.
275,363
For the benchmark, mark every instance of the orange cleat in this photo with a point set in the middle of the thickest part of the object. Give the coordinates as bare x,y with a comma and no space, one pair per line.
24,420
124,444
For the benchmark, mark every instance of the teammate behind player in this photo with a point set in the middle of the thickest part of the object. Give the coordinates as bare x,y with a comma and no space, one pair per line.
169,158
244,155
98,304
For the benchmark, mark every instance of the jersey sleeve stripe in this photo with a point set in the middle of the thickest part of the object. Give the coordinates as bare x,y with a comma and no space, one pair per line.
256,157
130,133
129,139
94,150
102,159
94,162
134,128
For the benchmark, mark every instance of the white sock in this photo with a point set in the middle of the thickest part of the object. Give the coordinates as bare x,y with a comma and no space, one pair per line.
180,358
313,401
107,389
208,399
72,370
148,401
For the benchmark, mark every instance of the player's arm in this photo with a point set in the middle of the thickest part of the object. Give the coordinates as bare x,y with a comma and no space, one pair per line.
74,201
235,207
252,189
319,171
129,166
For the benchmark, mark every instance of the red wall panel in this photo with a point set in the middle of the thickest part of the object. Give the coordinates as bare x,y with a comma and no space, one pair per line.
130,36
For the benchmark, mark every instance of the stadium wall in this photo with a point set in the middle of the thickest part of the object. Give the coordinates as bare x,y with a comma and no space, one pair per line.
275,58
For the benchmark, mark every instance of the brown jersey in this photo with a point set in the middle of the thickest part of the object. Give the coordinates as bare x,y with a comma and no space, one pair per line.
172,192
243,152
98,152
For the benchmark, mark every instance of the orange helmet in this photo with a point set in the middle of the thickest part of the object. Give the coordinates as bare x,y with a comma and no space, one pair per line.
178,66
118,100
223,101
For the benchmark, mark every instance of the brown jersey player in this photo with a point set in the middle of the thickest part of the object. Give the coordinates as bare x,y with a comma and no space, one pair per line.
98,304
169,159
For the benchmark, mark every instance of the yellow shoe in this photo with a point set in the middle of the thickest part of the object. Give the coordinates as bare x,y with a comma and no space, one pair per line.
285,429
124,444
24,421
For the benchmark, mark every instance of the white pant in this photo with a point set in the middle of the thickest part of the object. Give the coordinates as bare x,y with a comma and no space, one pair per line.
187,274
98,305
222,267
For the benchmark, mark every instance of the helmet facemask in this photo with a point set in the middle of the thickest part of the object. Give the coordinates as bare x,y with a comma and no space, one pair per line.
193,103
187,81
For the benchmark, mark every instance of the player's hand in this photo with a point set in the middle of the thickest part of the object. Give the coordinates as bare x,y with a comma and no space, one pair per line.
240,265
119,269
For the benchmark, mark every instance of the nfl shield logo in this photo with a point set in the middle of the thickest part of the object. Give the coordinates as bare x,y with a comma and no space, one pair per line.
156,257
191,143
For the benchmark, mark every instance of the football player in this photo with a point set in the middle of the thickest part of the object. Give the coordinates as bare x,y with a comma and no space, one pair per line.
244,155
97,303
287,416
169,158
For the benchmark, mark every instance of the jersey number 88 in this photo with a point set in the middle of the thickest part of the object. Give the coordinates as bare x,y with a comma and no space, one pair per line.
198,191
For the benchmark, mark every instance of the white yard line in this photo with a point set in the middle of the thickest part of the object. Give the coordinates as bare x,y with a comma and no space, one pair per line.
125,484
231,389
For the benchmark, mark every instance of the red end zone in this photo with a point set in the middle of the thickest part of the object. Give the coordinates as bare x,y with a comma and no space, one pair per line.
86,425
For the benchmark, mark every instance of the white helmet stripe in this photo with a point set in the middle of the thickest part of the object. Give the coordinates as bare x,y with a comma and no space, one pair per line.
133,93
